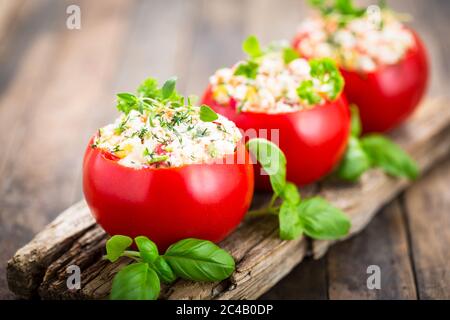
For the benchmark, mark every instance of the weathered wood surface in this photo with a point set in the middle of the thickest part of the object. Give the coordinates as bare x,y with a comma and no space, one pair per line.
262,259
57,86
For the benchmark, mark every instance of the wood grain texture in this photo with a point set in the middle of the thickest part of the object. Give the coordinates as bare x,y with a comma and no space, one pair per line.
383,244
262,258
428,215
120,43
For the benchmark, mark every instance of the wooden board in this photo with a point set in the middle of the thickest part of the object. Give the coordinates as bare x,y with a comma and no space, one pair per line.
39,268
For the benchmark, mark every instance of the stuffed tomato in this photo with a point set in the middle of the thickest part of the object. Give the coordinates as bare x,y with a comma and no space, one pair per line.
292,102
383,62
161,171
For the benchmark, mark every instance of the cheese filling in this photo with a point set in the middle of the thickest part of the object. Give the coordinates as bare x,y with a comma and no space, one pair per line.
364,43
276,85
167,137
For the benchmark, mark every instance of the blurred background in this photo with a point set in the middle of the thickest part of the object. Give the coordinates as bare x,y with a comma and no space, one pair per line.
57,86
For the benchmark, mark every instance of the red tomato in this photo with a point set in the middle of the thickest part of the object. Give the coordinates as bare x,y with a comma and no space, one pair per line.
313,140
205,201
389,95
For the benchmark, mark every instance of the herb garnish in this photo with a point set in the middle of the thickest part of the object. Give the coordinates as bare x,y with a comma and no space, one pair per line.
190,259
314,217
374,150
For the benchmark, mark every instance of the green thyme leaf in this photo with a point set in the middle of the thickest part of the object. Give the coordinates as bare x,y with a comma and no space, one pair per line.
116,245
135,282
147,248
390,157
289,55
169,88
248,69
321,220
272,160
207,114
199,260
252,47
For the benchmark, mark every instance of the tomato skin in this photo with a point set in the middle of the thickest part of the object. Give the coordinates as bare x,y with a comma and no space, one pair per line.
388,96
313,140
205,201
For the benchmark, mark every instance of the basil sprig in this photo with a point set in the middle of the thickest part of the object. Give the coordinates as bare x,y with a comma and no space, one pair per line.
373,151
314,217
190,259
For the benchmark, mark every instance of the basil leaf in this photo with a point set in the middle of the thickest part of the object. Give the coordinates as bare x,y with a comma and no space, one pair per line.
321,220
390,157
207,114
147,248
290,193
116,245
355,121
289,55
252,47
290,224
272,160
355,161
248,69
168,87
136,281
199,260
164,271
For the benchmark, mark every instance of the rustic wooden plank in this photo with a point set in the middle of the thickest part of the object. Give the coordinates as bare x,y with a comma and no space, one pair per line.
307,281
418,136
428,213
255,245
40,103
383,243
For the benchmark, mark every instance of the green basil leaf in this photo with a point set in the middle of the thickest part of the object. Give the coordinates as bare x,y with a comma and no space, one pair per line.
147,248
164,271
248,69
116,245
252,47
289,55
321,220
290,193
169,87
355,121
391,158
136,281
272,160
199,260
207,114
290,224
355,161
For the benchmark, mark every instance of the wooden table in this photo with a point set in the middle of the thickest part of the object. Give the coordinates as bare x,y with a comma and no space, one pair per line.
57,86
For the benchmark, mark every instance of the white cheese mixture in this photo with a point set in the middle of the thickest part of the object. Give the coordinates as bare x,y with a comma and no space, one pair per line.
169,137
363,44
273,90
